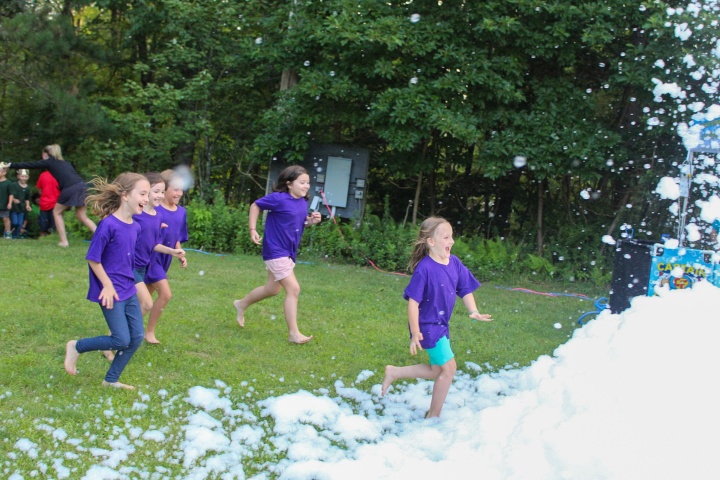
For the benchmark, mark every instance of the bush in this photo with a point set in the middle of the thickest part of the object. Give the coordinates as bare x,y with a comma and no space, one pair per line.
219,228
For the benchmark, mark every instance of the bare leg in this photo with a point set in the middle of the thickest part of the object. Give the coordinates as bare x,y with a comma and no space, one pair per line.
421,370
270,289
441,388
71,357
144,296
109,355
81,214
6,224
292,295
58,211
164,296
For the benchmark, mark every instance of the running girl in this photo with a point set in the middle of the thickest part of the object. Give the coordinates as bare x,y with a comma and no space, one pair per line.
112,284
437,279
150,239
174,234
286,220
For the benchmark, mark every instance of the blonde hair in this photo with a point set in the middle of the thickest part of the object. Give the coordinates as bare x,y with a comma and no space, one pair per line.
54,151
108,198
170,176
420,247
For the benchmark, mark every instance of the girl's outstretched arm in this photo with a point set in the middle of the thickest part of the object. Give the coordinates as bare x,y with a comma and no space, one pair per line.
108,295
469,302
414,324
175,252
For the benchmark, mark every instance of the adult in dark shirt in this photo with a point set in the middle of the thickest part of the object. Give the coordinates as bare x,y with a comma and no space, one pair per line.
72,188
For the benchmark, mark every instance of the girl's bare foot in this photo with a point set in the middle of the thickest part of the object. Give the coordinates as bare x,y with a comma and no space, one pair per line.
388,379
299,338
150,338
63,244
118,385
240,313
109,355
71,357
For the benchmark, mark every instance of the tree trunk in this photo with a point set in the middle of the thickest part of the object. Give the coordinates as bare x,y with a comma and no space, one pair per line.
416,201
540,198
616,220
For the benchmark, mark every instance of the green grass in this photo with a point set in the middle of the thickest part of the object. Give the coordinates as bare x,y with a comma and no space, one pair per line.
357,315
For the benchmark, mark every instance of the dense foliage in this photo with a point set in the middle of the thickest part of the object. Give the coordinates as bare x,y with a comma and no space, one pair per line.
444,94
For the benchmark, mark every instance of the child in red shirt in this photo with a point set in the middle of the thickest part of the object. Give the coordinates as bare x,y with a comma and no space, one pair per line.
49,193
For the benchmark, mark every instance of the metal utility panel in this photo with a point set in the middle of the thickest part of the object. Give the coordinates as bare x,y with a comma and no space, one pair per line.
337,183
338,179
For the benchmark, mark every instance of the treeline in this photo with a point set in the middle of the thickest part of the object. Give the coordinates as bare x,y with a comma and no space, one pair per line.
518,120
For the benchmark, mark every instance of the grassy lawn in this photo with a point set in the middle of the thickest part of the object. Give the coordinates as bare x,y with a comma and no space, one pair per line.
357,316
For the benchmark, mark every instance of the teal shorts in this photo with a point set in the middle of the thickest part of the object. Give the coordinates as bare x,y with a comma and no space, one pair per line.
441,353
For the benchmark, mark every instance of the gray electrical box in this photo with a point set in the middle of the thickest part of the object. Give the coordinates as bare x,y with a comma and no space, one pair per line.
337,179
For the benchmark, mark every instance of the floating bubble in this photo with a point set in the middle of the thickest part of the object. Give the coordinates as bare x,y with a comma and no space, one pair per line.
414,80
558,325
519,161
185,175
258,40
415,17
201,272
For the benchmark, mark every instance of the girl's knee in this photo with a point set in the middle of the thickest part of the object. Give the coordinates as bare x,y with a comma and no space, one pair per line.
136,340
120,342
293,291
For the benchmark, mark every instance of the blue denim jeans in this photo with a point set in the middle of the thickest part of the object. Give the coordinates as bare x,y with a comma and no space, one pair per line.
16,220
47,221
125,322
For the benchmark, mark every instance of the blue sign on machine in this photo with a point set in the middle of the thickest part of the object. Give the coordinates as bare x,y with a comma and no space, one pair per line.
680,268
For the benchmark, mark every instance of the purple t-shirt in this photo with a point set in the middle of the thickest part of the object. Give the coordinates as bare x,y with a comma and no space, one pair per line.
147,240
176,231
284,225
113,246
436,287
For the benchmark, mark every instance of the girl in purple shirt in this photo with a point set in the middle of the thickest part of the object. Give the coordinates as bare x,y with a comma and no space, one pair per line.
150,241
173,234
438,278
286,220
112,284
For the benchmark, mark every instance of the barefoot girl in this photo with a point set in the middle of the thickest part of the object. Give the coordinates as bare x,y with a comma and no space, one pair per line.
437,278
150,239
286,220
112,284
174,233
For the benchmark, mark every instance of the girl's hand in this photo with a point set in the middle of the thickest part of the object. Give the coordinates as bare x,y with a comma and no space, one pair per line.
255,237
481,317
178,252
29,208
415,342
314,218
107,296
183,261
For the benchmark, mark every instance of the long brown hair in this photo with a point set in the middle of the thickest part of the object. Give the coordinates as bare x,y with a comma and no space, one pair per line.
289,174
108,196
421,247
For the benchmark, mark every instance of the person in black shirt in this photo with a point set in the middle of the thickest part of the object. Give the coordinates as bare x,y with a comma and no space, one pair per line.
72,188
